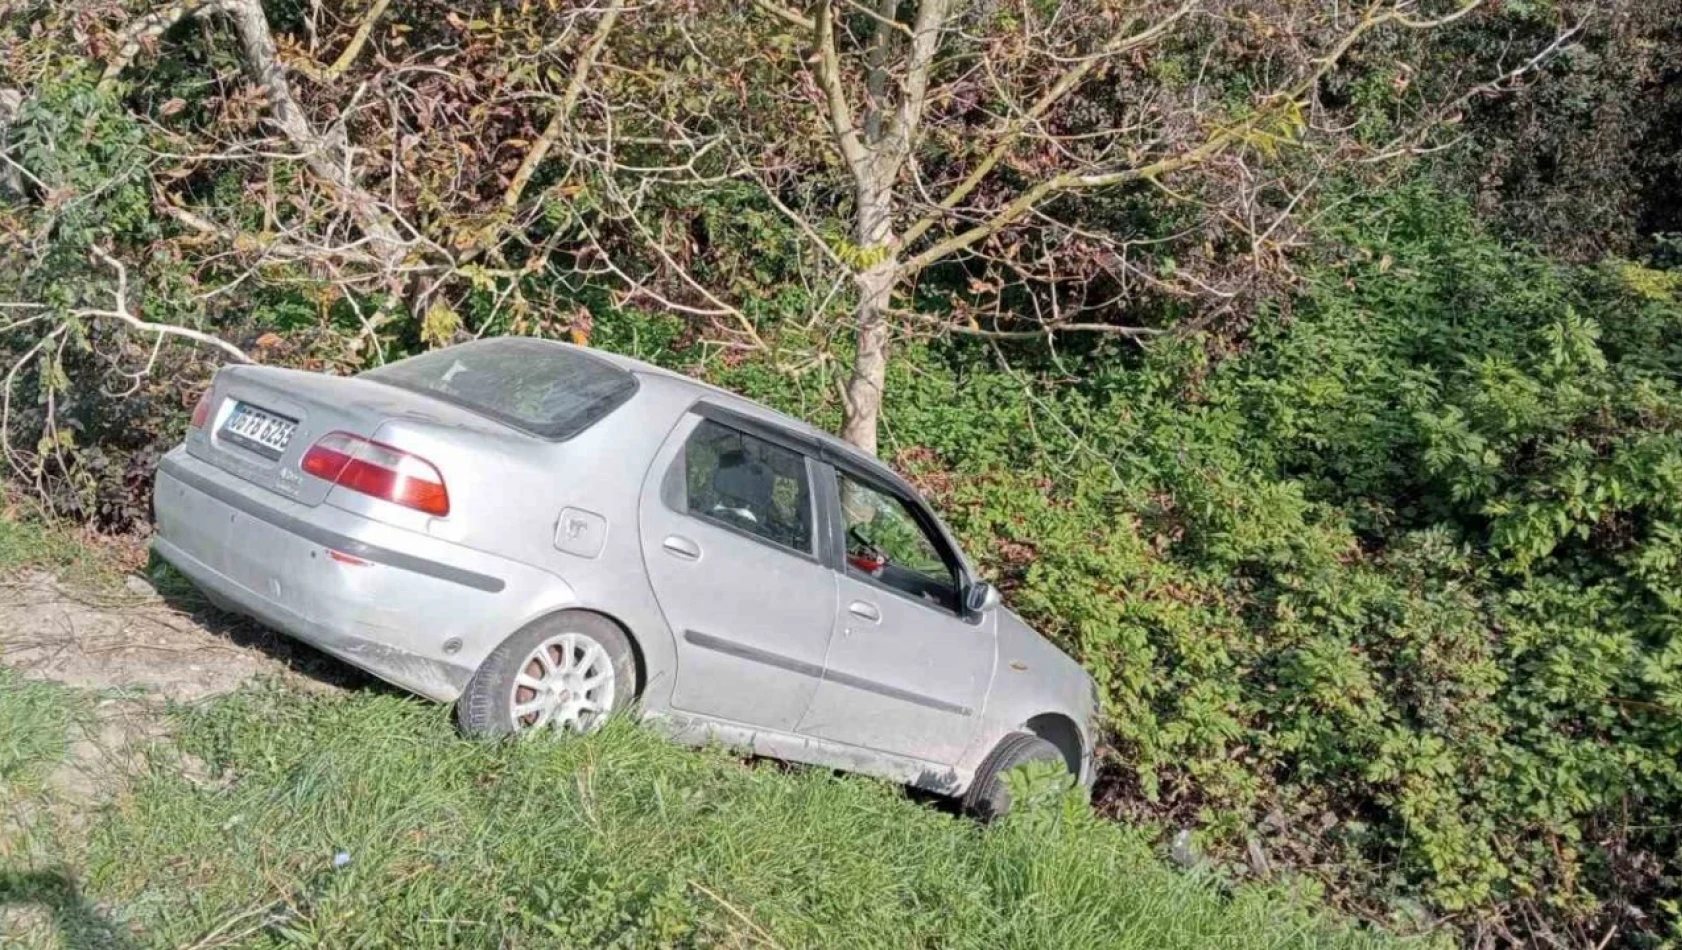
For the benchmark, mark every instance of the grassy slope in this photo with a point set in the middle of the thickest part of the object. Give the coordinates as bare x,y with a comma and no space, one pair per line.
39,905
618,840
35,717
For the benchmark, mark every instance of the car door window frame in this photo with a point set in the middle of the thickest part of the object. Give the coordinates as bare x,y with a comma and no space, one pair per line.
823,461
674,489
920,515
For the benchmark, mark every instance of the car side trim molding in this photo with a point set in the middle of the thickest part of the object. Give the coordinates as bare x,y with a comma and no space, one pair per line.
752,654
742,651
331,539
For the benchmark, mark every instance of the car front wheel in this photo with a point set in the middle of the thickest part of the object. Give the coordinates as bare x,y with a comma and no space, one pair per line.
566,673
988,797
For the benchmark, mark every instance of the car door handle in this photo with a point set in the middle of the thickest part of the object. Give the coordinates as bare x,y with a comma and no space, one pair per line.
865,611
679,546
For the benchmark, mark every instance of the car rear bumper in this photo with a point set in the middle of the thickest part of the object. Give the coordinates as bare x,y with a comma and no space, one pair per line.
414,610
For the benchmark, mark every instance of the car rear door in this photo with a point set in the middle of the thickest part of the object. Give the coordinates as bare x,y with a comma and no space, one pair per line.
730,538
907,670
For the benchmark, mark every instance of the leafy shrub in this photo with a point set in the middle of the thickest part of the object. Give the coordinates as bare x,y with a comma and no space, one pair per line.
1518,421
90,404
1390,592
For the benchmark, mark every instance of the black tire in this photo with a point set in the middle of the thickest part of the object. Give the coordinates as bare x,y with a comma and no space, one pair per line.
485,707
987,797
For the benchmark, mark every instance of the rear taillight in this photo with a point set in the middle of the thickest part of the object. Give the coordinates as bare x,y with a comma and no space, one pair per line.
370,468
201,411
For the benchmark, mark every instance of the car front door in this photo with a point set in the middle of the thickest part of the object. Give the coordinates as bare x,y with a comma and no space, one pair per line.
729,536
907,670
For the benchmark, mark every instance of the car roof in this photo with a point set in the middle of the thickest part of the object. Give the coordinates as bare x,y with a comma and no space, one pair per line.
818,442
812,439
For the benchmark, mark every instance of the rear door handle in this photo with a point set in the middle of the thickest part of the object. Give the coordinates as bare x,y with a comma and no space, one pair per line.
681,547
865,611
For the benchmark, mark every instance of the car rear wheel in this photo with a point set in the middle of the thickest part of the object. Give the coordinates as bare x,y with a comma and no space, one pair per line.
988,797
566,673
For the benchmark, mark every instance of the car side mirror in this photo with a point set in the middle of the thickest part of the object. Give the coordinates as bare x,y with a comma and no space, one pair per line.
980,597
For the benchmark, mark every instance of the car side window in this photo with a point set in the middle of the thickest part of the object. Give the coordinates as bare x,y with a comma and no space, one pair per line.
886,543
748,484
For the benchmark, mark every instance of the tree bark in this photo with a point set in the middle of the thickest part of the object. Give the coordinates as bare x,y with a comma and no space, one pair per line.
324,157
876,161
11,183
875,284
870,362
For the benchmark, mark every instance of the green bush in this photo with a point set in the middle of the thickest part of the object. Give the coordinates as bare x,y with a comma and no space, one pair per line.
1391,591
1501,434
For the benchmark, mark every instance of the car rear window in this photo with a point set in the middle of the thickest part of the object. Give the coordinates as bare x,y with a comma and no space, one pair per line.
543,388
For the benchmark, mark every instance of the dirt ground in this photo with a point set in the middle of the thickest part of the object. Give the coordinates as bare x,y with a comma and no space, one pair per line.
123,635
126,640
139,651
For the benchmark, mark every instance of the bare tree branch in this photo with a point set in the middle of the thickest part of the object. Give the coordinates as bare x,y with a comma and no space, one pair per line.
1048,329
830,82
791,17
1013,130
121,312
133,37
323,157
348,55
1216,143
563,111
908,117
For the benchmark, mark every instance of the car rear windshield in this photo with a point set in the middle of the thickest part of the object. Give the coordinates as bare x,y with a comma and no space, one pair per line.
536,386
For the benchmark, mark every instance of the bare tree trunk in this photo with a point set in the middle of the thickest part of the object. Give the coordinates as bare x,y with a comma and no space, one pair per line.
870,363
875,285
876,158
11,183
325,157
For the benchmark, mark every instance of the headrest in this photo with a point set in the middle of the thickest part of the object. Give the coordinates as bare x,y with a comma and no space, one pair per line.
741,479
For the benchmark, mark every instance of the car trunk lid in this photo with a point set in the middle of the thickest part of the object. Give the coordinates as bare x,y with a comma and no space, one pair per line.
263,419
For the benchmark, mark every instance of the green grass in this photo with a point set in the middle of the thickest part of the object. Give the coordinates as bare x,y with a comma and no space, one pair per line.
38,904
30,544
622,840
35,720
618,840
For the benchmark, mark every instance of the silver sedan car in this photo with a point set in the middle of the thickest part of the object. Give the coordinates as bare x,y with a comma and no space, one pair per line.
545,535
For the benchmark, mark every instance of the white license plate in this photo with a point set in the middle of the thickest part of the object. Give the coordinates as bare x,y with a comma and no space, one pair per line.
256,429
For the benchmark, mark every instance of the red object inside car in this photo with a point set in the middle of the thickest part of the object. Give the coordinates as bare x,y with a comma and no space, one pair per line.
866,563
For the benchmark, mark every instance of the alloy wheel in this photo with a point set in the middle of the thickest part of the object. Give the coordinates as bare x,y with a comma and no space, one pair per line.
565,684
